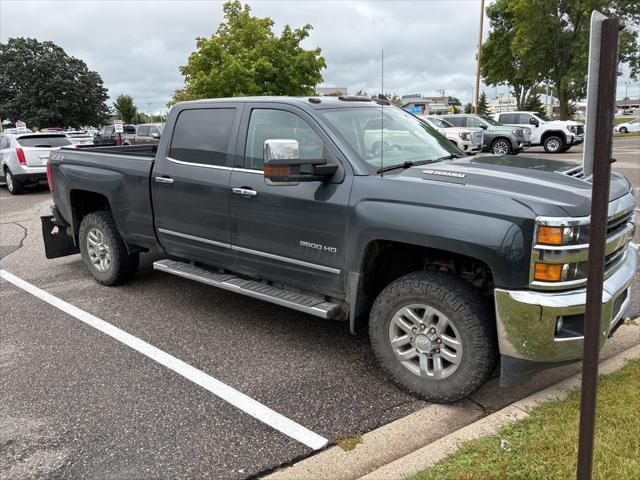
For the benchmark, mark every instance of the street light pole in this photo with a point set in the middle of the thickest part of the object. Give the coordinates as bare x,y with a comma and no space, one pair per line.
479,56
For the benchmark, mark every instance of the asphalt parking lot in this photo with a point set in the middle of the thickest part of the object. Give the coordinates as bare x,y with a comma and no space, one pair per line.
77,403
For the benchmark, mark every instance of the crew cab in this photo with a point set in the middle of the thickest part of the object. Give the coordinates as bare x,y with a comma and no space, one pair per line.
453,263
147,133
555,136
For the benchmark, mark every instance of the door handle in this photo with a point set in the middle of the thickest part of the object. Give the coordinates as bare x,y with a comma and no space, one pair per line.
245,192
166,180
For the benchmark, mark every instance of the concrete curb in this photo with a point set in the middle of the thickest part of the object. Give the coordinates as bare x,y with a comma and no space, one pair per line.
431,454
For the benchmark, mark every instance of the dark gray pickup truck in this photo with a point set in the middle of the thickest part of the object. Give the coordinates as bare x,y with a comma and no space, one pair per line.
346,209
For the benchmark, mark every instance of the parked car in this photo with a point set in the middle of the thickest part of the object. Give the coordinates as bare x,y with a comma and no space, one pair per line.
469,140
147,133
497,139
23,157
554,135
79,137
626,127
452,262
107,135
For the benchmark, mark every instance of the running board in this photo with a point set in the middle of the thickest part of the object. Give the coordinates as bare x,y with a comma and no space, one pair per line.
251,288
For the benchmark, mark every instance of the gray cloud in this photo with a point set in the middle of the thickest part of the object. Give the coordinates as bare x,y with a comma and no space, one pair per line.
137,46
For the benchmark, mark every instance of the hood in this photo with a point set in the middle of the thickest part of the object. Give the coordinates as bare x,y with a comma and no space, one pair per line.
534,181
463,129
562,123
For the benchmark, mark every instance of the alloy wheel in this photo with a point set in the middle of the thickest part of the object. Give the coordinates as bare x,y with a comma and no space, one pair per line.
425,341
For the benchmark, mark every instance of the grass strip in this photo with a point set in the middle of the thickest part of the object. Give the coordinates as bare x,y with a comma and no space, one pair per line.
544,446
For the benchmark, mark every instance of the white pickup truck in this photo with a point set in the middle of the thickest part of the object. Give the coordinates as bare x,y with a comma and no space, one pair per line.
554,135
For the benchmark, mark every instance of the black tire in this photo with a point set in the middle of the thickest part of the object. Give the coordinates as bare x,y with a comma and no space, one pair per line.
553,144
623,130
14,186
464,307
122,266
501,146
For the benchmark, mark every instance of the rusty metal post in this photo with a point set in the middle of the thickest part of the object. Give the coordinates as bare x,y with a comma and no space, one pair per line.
603,113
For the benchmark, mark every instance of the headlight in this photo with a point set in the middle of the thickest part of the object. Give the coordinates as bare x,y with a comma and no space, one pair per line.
572,128
559,236
464,135
515,133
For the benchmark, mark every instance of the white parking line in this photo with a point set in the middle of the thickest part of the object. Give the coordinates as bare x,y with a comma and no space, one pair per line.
225,392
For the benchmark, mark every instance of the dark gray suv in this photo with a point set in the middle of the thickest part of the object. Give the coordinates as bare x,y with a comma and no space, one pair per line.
498,139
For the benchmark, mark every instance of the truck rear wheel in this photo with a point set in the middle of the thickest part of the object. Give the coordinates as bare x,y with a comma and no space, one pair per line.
432,333
103,250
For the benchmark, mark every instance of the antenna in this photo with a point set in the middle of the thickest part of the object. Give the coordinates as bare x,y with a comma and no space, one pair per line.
382,112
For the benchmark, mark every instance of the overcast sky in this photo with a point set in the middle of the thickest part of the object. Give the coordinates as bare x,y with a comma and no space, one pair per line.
137,46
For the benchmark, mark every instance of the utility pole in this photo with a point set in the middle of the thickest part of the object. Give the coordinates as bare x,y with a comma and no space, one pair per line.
149,105
479,55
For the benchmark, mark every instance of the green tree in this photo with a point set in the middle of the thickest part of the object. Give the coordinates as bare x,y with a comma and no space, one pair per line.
43,86
533,104
468,108
483,108
245,57
126,108
549,40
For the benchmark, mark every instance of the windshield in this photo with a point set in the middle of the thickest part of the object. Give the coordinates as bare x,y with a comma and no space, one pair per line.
390,138
489,120
439,122
44,141
542,116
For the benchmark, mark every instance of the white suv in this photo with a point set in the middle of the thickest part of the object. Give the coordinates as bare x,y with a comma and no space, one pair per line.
469,140
554,135
24,157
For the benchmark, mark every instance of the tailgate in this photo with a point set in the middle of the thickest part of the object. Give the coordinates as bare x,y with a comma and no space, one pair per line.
36,157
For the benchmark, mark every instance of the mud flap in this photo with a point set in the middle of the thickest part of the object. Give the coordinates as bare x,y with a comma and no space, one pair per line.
56,241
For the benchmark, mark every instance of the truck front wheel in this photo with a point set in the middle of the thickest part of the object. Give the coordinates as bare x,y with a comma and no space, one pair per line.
553,144
103,250
432,333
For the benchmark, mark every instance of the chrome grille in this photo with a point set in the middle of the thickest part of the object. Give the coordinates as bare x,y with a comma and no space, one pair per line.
476,138
527,134
580,129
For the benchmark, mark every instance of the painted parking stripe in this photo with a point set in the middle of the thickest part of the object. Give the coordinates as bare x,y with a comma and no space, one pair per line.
221,390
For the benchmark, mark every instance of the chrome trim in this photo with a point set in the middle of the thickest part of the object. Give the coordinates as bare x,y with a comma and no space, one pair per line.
617,208
246,192
580,253
248,170
526,319
204,165
165,180
286,259
197,239
252,252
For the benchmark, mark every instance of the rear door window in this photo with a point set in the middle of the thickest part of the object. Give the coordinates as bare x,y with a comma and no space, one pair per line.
457,121
143,131
510,118
203,136
46,141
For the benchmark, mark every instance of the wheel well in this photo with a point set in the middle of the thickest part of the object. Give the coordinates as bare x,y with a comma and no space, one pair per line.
501,138
84,202
385,261
552,133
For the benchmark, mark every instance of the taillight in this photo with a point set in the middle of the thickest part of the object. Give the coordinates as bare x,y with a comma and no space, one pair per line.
49,175
22,160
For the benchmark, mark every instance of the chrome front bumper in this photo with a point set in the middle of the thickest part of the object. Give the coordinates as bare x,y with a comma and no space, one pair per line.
527,320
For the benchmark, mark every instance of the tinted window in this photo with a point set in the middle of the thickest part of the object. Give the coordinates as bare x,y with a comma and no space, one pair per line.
475,122
457,121
153,130
524,118
129,129
511,118
203,135
143,130
268,124
44,141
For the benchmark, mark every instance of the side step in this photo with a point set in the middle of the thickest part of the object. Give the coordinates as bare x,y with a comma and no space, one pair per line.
296,301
